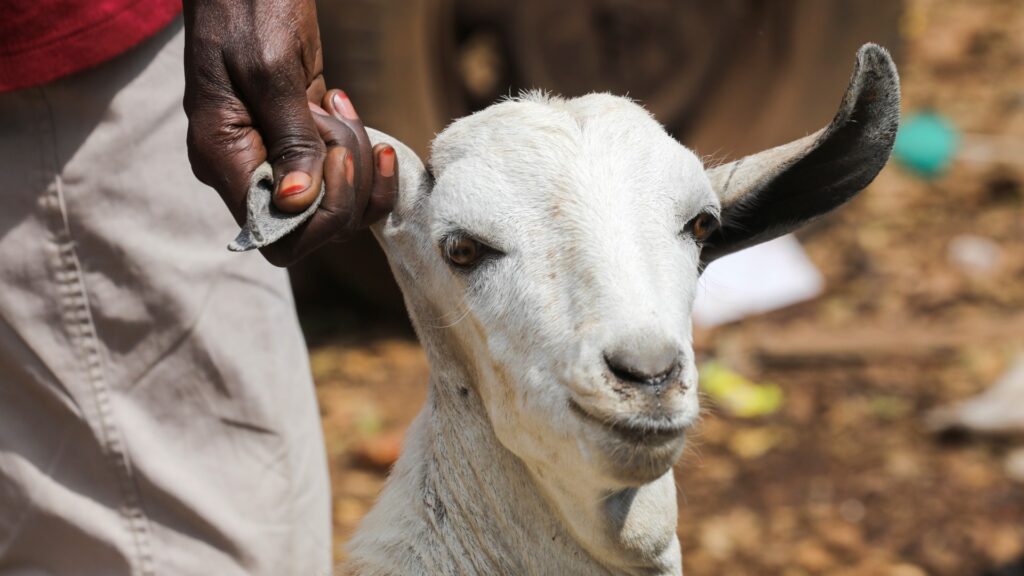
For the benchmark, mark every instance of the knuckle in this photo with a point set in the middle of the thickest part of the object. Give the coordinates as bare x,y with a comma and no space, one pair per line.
296,146
340,135
272,58
272,67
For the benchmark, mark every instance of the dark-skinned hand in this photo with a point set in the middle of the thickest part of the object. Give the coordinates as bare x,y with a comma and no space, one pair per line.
253,69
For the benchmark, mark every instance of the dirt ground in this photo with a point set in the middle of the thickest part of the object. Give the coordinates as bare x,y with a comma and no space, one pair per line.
844,478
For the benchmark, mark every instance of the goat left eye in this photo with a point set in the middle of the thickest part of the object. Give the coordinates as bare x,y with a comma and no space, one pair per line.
702,226
463,251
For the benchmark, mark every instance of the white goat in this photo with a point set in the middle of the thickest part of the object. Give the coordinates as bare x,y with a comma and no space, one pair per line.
549,259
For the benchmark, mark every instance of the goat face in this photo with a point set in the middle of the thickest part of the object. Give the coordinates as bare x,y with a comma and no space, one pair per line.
560,246
566,233
553,253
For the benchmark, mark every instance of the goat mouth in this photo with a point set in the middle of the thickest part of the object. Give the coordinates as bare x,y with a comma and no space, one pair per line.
644,430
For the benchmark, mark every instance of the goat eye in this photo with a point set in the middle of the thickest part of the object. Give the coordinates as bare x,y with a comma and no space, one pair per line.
463,251
702,226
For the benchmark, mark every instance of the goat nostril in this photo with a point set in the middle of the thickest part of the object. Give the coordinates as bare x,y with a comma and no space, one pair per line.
631,374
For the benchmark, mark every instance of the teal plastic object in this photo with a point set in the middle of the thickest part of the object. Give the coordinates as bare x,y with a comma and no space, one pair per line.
926,144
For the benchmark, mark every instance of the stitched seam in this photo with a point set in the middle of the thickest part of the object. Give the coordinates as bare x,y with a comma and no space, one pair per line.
78,321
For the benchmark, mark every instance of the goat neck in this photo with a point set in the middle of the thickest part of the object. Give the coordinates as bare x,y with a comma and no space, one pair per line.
459,502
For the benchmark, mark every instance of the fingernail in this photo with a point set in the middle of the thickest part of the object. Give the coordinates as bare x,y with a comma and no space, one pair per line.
350,170
344,105
386,162
317,109
294,183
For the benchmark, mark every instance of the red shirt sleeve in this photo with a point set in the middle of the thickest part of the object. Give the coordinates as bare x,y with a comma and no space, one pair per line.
42,40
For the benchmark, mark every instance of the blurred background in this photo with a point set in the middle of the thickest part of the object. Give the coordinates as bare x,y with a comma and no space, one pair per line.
834,440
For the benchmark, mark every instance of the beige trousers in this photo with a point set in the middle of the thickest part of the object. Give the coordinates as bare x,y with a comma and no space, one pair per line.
157,415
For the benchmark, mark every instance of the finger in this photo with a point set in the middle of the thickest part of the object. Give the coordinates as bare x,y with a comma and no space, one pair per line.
341,208
340,198
275,92
295,197
316,109
330,219
352,200
338,104
385,184
295,192
317,89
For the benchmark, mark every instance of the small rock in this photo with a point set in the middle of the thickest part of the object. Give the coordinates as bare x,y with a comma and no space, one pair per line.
974,255
997,410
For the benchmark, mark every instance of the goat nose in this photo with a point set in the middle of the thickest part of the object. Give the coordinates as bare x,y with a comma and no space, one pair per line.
644,365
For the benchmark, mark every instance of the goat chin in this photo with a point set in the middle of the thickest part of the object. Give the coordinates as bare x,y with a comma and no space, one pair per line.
459,502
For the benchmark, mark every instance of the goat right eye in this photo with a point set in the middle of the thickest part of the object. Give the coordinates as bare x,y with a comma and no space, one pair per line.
702,226
465,252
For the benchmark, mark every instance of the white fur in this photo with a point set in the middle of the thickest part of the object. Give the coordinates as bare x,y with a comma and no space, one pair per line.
588,198
531,455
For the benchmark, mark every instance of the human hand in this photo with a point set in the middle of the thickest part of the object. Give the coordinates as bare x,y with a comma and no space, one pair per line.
346,204
251,68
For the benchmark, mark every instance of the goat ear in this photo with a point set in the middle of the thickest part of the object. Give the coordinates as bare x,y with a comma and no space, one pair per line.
776,191
414,180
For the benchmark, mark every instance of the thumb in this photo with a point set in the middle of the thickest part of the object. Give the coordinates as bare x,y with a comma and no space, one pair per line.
294,148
